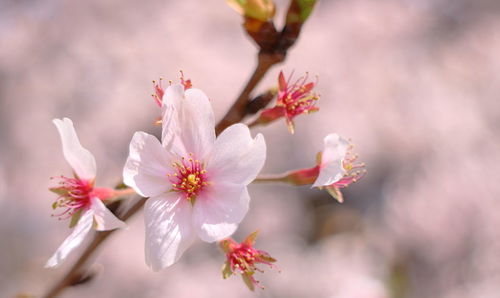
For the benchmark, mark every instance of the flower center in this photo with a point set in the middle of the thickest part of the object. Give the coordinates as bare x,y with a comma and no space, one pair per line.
189,177
74,194
243,258
298,98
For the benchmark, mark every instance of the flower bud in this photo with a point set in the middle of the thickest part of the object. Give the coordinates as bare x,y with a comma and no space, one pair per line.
299,11
262,10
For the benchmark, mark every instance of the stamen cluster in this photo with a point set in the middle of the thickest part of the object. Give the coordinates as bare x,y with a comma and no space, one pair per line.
297,98
74,195
293,99
243,258
189,177
159,92
353,172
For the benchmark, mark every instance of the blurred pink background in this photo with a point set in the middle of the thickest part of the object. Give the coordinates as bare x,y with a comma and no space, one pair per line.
414,83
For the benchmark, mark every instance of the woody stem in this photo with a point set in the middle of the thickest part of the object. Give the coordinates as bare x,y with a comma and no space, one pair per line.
238,110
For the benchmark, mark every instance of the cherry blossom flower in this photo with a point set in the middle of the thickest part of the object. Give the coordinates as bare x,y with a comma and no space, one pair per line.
78,197
242,258
196,184
293,99
337,168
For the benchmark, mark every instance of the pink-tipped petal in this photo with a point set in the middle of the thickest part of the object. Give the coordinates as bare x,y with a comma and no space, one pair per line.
331,168
147,166
237,157
104,219
80,159
168,229
73,241
218,211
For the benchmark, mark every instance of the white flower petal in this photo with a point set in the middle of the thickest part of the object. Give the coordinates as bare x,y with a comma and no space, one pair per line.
188,122
73,241
147,166
171,125
80,159
198,123
331,169
169,229
104,219
237,158
219,209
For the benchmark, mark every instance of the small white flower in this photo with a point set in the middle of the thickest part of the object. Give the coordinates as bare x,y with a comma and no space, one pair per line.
78,196
197,184
337,169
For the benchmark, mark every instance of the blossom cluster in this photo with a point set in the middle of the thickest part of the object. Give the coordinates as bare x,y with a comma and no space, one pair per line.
195,182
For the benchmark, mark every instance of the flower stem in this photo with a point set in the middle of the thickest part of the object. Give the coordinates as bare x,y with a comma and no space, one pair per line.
123,192
272,178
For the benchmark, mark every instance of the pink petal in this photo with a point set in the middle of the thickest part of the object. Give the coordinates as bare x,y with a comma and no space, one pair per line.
219,209
73,241
188,122
331,169
80,159
237,158
104,219
147,166
168,229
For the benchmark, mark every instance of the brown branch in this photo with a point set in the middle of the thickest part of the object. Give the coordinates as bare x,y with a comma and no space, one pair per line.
239,109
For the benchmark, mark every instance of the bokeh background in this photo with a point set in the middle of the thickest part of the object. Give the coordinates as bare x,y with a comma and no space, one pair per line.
414,83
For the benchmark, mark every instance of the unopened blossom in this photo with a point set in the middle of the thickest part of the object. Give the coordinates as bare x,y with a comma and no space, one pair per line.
293,99
242,258
262,10
78,198
196,183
